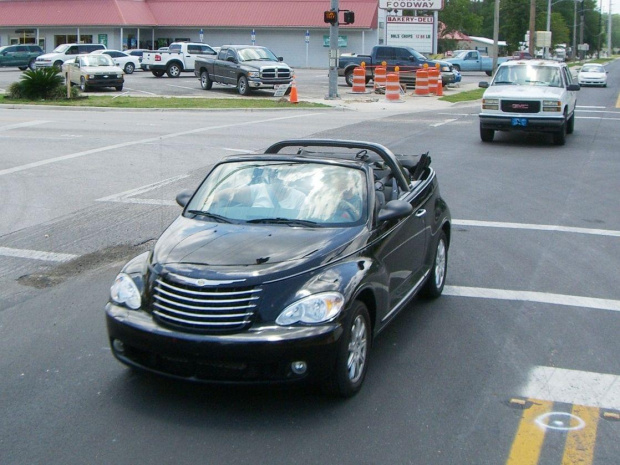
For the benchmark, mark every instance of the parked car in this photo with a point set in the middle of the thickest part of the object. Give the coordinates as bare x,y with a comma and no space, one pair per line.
531,96
90,71
126,62
284,267
592,74
179,58
473,60
64,53
20,56
521,55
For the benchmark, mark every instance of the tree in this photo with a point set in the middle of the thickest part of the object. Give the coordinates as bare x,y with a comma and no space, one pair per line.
457,15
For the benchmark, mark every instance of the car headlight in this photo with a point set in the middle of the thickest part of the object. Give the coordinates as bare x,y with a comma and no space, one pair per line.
552,105
254,74
446,69
490,104
125,292
314,309
119,76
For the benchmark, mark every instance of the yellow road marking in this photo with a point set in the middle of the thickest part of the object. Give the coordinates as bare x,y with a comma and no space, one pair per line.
529,439
579,448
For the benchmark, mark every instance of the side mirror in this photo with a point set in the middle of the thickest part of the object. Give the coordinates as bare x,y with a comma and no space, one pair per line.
411,58
183,197
231,59
483,84
395,209
573,87
280,58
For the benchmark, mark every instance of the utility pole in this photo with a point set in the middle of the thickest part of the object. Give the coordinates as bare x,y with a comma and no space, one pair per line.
532,28
609,52
574,50
333,54
496,35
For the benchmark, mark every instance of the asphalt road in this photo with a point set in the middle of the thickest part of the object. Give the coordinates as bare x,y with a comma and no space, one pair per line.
526,332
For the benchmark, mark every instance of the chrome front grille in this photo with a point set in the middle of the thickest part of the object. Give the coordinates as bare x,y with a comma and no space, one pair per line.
204,309
520,106
275,73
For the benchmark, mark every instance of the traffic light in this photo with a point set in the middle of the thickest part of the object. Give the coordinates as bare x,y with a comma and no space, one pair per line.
349,17
330,16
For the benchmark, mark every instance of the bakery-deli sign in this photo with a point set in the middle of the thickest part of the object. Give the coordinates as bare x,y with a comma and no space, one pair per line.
411,4
411,31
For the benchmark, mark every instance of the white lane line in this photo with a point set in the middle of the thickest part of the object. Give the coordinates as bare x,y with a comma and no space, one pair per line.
529,296
49,161
537,227
590,106
597,117
182,87
573,387
124,196
22,125
443,122
36,255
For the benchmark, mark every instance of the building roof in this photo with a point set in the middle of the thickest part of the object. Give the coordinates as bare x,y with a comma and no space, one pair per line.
181,13
484,40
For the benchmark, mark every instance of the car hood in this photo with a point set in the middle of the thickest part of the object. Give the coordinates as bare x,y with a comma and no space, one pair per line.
523,92
101,69
247,249
263,63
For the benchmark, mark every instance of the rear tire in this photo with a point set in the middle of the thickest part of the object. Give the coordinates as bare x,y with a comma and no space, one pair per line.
22,68
129,68
174,70
348,78
437,279
487,134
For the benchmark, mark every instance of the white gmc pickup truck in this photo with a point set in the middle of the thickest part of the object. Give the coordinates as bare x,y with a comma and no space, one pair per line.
179,57
530,96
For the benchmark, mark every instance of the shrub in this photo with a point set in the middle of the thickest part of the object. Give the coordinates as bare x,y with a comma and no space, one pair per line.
40,83
60,93
15,91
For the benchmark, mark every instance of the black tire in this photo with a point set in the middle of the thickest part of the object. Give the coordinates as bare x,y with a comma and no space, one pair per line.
456,67
489,73
83,86
352,360
129,68
158,73
22,68
437,277
58,65
119,88
205,81
487,135
559,138
570,125
348,77
174,70
242,86
32,65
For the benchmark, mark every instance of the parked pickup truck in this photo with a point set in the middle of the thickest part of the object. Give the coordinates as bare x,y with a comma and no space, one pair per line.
179,57
407,59
473,60
245,66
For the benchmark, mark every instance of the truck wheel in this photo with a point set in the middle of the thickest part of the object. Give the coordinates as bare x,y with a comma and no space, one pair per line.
487,134
157,73
205,81
559,138
456,67
570,125
489,73
130,68
348,78
174,70
242,86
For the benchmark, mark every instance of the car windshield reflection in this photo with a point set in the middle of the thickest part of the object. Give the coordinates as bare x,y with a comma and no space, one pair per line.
289,194
527,75
96,60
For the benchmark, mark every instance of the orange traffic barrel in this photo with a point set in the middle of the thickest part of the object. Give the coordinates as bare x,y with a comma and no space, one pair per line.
359,80
421,82
380,77
392,88
433,78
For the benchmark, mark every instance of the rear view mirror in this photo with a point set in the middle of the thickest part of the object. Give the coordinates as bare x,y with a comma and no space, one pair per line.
483,84
183,197
573,87
395,209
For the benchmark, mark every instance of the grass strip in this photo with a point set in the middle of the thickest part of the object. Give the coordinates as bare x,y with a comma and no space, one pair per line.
465,96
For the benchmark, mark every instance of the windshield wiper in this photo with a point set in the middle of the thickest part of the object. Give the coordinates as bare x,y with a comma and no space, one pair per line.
213,216
288,221
503,82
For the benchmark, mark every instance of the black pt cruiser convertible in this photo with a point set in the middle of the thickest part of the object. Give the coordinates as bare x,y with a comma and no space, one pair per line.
284,266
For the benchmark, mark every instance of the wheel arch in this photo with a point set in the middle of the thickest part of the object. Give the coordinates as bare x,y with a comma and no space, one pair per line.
367,296
175,62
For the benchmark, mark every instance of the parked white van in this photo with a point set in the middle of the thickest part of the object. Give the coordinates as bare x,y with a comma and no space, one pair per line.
65,52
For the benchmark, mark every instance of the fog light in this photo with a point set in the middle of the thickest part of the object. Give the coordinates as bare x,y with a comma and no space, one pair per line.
118,346
299,368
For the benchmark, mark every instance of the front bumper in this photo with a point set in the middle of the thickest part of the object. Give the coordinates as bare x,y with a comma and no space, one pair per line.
115,82
256,83
592,82
261,354
532,123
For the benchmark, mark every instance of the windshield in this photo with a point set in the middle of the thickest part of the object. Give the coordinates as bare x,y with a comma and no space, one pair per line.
592,69
61,48
283,192
96,60
416,54
247,54
528,75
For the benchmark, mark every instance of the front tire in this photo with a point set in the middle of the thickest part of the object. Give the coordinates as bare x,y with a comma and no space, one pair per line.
119,88
130,68
205,81
83,86
58,65
570,125
352,362
174,70
437,278
348,78
487,135
22,68
456,67
242,86
32,65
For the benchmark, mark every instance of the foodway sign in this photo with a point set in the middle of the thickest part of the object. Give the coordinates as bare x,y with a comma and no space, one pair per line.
411,4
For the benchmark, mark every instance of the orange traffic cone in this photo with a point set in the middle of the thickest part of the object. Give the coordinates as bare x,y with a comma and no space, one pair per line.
439,88
293,97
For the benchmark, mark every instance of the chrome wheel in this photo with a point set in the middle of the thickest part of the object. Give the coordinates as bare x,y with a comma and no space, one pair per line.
357,349
129,68
437,274
440,264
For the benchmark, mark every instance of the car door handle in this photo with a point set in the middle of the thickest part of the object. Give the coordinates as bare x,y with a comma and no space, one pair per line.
420,212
